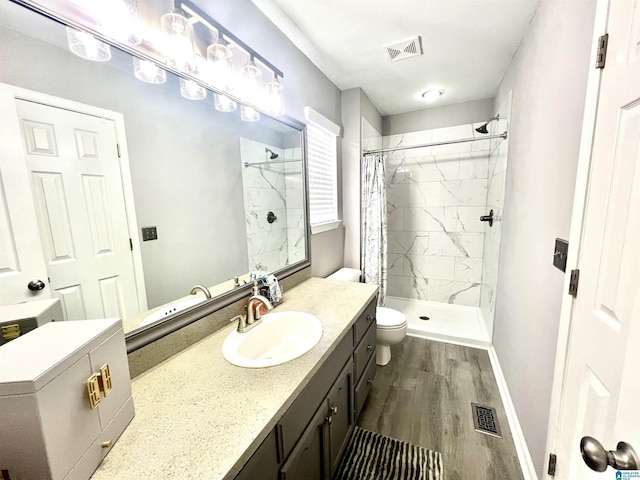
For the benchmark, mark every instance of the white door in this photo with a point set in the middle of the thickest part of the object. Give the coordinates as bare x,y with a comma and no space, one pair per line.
601,391
76,184
21,257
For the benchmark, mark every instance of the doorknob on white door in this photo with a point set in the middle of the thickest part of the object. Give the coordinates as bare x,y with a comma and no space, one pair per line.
36,285
598,459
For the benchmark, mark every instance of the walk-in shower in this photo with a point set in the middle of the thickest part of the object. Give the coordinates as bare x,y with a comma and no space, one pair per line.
441,257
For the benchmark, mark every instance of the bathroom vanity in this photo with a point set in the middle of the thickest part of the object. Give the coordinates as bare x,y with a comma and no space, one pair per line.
198,416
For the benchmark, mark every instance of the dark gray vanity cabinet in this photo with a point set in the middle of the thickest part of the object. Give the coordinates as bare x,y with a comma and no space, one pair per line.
364,356
309,439
318,451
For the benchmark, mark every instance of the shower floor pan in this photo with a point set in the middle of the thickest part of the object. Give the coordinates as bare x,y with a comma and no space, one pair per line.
447,323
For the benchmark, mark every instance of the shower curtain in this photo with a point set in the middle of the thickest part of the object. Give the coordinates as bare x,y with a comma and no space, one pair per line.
374,223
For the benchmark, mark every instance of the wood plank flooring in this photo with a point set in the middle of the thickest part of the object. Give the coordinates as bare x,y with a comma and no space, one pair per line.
424,395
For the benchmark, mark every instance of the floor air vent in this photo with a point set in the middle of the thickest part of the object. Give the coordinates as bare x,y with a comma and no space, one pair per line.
411,47
485,420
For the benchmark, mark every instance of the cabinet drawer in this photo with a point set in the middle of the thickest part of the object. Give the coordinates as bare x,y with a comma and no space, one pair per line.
298,415
365,349
364,385
363,323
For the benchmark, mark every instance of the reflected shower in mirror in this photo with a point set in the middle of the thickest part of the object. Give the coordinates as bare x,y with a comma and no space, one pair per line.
124,172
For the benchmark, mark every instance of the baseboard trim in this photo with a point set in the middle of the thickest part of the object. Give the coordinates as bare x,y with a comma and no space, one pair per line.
528,470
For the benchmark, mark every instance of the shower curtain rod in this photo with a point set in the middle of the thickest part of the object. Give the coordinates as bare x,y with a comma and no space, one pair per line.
503,135
247,164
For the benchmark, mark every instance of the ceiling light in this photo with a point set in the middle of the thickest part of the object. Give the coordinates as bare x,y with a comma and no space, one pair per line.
432,95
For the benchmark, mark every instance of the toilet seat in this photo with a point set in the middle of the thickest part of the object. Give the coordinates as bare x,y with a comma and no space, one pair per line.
389,319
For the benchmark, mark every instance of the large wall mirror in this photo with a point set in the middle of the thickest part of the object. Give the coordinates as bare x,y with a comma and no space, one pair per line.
126,194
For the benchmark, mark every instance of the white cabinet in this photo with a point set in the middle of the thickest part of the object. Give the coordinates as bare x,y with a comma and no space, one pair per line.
49,426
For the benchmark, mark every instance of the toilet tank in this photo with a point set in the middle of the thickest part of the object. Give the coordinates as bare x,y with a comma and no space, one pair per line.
346,275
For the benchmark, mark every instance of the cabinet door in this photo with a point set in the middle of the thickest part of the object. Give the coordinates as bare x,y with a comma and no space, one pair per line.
264,462
340,414
308,460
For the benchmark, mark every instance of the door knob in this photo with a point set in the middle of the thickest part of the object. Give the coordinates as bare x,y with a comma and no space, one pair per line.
36,285
598,459
488,218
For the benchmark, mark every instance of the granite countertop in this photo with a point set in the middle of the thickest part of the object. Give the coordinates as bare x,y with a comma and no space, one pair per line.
199,417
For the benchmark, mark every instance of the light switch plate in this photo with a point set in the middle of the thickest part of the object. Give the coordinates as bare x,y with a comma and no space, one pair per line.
560,254
149,233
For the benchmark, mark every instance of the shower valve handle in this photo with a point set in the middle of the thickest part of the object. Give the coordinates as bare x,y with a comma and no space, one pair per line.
488,218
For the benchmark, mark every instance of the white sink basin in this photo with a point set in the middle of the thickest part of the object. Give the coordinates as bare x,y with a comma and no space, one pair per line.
279,338
171,309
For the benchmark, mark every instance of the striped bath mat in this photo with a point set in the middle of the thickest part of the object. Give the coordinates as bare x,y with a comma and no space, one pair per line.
370,456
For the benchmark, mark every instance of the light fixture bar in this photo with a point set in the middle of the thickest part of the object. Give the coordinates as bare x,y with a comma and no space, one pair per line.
188,7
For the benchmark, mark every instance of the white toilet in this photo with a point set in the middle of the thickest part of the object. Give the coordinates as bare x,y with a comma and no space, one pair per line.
391,325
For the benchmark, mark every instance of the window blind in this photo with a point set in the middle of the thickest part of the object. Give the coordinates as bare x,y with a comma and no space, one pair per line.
322,161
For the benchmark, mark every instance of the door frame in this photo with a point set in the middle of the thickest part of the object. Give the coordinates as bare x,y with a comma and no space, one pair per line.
18,93
581,195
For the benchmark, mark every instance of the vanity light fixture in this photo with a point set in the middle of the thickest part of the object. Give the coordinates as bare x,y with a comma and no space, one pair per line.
250,80
432,95
274,97
178,39
191,90
148,71
249,114
224,103
87,46
120,21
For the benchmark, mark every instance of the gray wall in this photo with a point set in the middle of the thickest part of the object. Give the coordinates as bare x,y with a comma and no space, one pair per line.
304,85
548,77
355,106
438,117
177,150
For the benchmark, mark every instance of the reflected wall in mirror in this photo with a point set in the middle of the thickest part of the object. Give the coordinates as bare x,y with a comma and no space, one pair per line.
91,157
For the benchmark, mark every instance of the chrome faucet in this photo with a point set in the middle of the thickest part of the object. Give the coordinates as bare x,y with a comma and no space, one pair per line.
202,288
252,318
253,314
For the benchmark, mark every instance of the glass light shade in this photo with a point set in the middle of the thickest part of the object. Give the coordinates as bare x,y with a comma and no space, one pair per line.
224,103
221,73
250,70
87,46
191,90
249,114
178,40
274,97
250,82
148,71
119,20
218,50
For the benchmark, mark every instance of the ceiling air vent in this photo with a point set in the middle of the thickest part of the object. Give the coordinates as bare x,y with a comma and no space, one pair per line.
412,47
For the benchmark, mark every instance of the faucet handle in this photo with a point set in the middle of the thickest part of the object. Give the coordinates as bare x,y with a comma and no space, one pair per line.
242,322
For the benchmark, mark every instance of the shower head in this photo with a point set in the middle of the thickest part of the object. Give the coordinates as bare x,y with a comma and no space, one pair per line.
483,128
273,155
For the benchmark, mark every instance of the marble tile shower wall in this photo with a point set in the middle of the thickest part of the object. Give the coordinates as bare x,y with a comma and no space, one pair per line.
435,197
264,191
495,201
295,205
